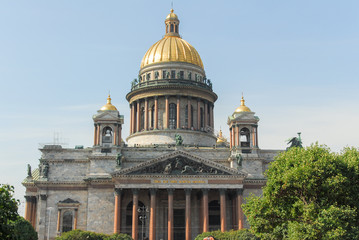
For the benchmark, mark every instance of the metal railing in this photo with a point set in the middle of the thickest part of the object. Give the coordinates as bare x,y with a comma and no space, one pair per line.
205,83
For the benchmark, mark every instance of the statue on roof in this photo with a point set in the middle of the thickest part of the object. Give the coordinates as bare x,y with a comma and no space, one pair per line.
179,139
29,171
295,142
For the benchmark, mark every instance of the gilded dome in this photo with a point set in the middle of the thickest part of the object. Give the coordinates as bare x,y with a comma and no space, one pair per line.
108,106
242,108
171,48
220,138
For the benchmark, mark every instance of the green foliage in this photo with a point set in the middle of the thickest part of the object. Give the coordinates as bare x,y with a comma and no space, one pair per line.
243,234
86,235
311,193
8,211
23,230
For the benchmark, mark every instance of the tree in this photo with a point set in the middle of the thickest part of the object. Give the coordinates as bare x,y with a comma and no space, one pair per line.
23,230
8,211
311,193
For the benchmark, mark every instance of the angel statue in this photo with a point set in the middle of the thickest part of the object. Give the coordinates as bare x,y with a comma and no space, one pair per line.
295,142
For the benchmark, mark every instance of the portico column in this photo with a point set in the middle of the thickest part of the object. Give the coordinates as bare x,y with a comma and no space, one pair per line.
222,197
135,214
58,220
98,134
178,112
212,117
233,142
33,214
75,219
138,117
146,114
156,113
167,113
119,135
205,210
188,214
198,114
28,208
115,136
117,218
230,138
189,111
170,214
239,208
153,215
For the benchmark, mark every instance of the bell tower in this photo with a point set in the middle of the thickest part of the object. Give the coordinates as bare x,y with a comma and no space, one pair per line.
108,125
243,129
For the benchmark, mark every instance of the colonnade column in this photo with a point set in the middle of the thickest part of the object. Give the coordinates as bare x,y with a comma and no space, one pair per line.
170,214
138,117
237,136
94,135
115,135
198,114
146,114
189,111
239,208
153,215
178,113
135,214
75,219
230,138
205,115
167,109
205,210
27,208
156,113
132,118
117,218
188,214
211,116
33,214
119,135
98,134
233,142
222,197
58,220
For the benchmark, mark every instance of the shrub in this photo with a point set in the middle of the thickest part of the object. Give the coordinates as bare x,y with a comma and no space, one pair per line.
243,234
87,235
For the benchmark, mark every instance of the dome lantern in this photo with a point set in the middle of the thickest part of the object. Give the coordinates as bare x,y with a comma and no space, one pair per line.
172,25
243,107
108,106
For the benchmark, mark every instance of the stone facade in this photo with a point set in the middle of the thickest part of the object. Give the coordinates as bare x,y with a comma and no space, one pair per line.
173,179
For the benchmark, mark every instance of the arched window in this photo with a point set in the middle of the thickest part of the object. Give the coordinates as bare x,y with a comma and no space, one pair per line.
171,27
141,212
67,218
245,137
107,135
142,118
173,116
214,215
152,116
176,28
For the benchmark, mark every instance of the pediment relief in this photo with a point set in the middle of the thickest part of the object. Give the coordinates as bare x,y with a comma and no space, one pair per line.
179,163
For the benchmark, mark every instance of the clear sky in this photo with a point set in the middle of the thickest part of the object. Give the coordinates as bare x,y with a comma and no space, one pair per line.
297,63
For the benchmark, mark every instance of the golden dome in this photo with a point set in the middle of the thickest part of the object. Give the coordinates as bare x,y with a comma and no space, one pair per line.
172,16
242,108
220,138
171,48
108,106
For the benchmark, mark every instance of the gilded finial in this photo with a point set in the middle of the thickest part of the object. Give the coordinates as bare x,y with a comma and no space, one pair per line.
171,10
109,99
242,101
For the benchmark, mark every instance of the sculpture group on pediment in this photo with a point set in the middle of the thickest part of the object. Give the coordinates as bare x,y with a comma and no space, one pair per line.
179,166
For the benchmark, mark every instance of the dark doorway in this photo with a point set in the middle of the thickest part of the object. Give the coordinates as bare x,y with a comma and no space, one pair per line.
179,224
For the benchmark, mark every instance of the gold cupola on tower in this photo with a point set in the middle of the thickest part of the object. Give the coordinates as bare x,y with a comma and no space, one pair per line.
108,106
171,48
243,107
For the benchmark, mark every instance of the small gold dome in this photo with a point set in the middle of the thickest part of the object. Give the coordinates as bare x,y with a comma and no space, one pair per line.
172,16
220,138
171,48
242,108
108,106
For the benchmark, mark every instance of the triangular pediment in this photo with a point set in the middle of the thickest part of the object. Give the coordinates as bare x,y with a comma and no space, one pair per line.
179,163
106,115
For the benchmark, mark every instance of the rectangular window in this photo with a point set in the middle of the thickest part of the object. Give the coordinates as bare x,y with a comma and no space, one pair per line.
164,72
173,74
181,74
148,77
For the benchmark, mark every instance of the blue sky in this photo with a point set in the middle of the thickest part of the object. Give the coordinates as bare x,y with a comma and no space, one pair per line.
295,61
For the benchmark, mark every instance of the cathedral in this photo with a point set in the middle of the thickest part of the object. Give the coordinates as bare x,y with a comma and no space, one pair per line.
172,178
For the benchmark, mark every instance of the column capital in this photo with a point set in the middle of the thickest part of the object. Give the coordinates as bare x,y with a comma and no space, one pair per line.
170,190
135,191
153,191
222,191
43,196
240,191
167,96
156,97
205,190
188,191
118,191
189,97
